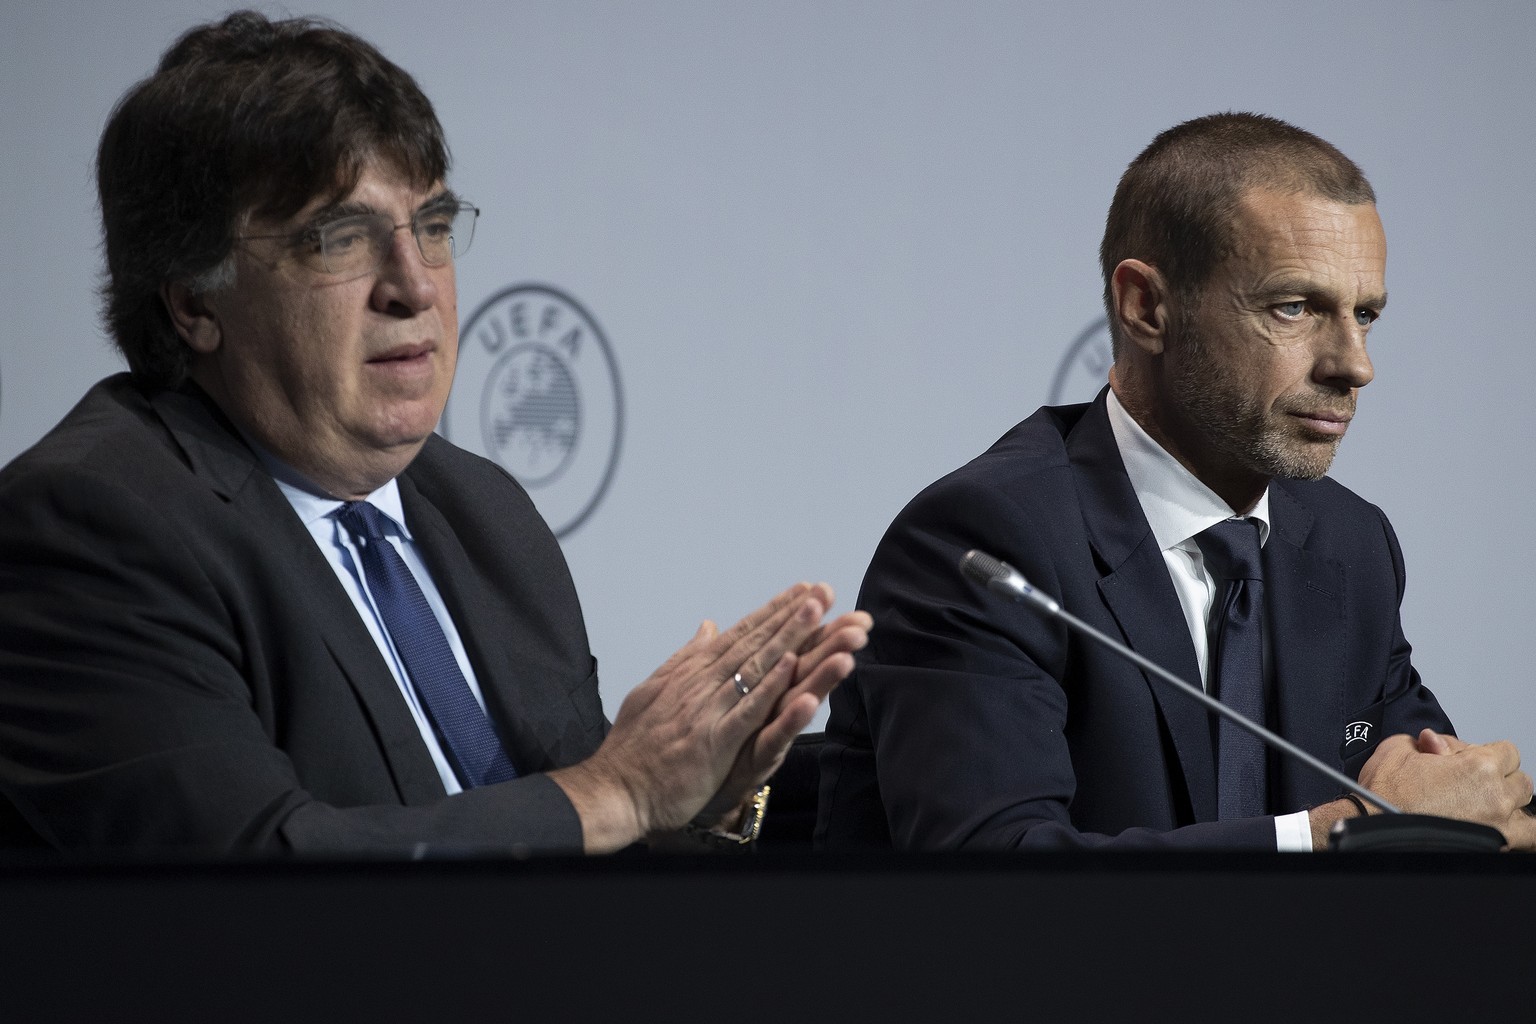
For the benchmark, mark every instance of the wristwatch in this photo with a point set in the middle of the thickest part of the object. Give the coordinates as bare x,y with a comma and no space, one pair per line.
747,829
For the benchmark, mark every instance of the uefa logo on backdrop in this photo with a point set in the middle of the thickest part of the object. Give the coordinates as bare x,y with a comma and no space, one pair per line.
537,392
1085,367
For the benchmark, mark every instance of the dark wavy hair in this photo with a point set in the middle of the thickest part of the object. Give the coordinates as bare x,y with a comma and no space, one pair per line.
1176,204
243,116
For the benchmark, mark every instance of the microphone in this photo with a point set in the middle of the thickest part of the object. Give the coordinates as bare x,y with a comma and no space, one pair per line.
1001,578
1396,831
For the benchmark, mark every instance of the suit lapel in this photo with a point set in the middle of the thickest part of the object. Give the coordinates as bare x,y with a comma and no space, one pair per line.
503,654
218,455
1304,598
1139,593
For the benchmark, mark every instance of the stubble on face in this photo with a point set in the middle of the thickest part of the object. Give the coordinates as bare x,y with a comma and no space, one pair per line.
1234,422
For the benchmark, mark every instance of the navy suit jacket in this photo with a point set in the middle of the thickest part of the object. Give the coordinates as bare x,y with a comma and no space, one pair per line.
971,722
179,666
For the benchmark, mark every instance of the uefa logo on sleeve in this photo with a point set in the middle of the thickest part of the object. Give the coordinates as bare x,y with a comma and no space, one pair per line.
537,392
1084,370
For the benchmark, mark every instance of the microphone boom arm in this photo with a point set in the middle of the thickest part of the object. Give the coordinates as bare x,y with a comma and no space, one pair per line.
1002,578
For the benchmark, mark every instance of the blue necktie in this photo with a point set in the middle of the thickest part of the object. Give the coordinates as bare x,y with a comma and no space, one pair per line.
462,727
1231,549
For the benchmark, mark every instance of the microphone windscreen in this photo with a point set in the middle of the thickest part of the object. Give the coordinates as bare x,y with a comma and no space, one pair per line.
983,568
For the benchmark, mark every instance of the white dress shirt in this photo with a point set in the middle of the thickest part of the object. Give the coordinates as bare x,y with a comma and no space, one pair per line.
340,551
1178,508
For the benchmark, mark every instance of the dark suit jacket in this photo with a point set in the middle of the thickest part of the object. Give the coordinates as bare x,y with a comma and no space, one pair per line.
971,722
179,666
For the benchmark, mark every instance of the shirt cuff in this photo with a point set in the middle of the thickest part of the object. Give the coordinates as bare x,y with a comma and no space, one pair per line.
1293,832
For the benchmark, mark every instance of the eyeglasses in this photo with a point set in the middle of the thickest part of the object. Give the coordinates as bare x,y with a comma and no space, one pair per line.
359,244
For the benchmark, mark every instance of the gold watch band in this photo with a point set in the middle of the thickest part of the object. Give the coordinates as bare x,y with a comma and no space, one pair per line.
747,829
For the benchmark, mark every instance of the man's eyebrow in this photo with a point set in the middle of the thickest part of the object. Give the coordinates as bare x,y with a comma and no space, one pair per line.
446,199
335,211
1284,287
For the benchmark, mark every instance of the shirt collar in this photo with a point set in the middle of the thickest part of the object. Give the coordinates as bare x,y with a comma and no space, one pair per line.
1177,505
313,505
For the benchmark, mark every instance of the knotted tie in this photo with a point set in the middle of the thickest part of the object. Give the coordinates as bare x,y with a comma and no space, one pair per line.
465,732
1231,549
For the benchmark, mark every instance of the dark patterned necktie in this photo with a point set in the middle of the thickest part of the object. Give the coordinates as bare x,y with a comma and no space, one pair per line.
1231,550
465,732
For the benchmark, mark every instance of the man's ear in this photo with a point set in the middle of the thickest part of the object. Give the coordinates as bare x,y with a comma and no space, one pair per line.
190,315
1139,301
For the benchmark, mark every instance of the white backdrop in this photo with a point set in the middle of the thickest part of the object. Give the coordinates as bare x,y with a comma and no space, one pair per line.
837,248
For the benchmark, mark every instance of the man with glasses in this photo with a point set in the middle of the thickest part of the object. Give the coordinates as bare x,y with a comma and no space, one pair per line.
248,599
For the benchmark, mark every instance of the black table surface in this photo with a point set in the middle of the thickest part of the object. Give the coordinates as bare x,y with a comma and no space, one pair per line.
1040,936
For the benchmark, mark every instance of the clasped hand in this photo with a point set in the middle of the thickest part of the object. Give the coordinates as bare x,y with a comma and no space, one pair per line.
688,740
1435,773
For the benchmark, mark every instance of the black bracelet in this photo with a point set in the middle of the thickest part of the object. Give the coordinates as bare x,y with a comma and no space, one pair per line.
1359,804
